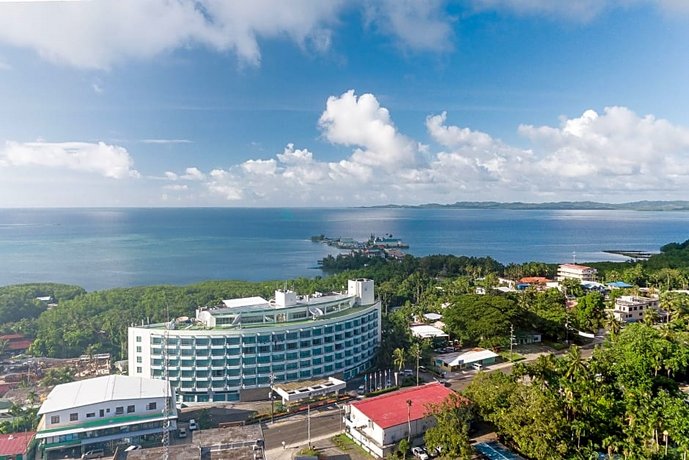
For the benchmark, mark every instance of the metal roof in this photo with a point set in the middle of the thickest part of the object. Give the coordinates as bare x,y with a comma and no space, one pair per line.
102,389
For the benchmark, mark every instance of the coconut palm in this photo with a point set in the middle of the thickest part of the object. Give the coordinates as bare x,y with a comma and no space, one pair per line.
415,351
398,359
613,325
576,367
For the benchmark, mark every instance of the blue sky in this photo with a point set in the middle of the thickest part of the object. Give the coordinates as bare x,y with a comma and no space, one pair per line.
312,103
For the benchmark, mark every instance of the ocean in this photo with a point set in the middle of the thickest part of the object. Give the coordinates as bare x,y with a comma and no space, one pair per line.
106,248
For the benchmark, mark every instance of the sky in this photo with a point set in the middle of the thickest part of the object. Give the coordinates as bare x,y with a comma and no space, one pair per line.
272,103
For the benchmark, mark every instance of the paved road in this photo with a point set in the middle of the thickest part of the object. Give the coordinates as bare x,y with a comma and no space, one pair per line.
293,432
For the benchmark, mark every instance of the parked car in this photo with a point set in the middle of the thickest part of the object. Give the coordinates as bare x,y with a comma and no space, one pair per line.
132,447
192,425
93,453
420,453
182,433
408,372
477,366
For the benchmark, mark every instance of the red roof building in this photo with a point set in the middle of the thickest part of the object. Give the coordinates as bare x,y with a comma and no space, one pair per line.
378,423
534,280
15,445
15,342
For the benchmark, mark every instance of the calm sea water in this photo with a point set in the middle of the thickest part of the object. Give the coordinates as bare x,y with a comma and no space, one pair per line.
104,248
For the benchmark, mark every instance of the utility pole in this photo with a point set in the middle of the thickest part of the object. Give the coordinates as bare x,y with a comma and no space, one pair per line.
272,413
511,336
409,419
308,423
166,379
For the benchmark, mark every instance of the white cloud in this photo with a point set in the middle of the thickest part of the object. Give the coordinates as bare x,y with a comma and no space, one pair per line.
576,10
362,122
176,187
166,141
611,149
419,25
615,154
107,160
260,167
98,34
193,173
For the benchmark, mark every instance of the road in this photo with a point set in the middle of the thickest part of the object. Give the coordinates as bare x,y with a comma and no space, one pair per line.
295,431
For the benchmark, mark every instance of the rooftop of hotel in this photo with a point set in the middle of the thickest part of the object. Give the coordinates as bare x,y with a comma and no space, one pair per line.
259,303
575,267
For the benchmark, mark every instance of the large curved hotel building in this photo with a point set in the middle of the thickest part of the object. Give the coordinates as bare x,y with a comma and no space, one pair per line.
228,353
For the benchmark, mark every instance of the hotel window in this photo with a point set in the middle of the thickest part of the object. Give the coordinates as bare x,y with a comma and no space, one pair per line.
130,409
138,338
55,419
119,410
151,406
73,417
90,415
139,370
138,359
138,349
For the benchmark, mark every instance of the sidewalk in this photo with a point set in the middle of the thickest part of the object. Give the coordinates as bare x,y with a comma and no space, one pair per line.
290,450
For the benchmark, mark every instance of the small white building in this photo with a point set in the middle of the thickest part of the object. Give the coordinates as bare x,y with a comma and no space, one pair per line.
577,272
426,331
474,357
103,411
292,392
629,309
378,424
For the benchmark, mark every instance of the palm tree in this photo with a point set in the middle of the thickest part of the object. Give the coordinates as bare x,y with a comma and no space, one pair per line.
415,351
398,359
651,316
576,367
613,325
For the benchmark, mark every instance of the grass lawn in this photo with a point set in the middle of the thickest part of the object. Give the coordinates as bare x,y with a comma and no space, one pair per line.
511,356
345,444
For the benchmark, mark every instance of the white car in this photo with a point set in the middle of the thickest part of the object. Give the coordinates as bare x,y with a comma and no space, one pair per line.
420,453
192,425
132,447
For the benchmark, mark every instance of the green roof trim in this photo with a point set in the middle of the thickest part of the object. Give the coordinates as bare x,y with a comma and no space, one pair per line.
105,422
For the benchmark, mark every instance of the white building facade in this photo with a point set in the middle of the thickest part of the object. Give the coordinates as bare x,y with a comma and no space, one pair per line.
92,413
630,309
228,353
575,271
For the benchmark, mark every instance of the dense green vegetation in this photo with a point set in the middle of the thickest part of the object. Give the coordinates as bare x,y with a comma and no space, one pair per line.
625,400
20,301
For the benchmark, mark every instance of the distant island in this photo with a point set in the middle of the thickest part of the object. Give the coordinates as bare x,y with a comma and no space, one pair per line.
558,205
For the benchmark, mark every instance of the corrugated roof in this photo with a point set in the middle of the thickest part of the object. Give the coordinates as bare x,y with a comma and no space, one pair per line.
15,443
391,409
246,302
101,389
467,356
576,266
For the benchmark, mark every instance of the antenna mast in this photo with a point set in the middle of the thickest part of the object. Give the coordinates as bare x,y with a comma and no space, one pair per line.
166,409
